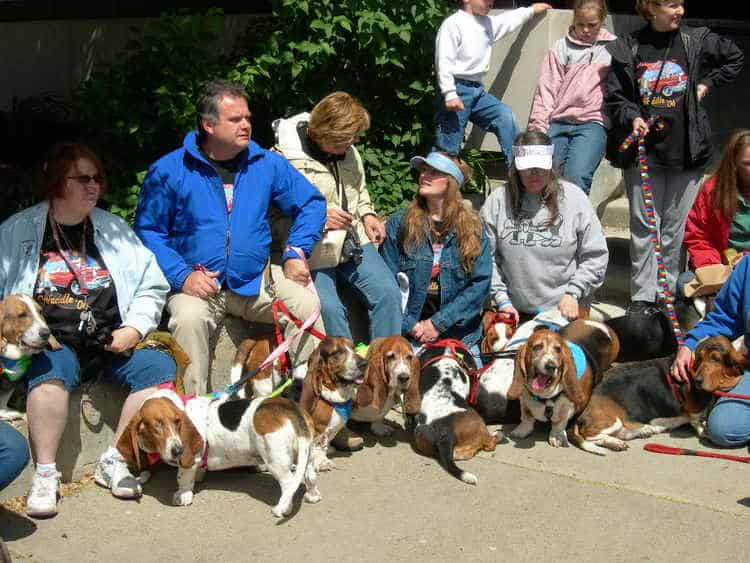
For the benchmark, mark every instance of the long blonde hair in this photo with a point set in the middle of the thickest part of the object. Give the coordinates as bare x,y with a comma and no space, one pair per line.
457,217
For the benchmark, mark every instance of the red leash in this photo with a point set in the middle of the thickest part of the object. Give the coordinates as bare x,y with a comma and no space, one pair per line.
454,346
730,395
662,449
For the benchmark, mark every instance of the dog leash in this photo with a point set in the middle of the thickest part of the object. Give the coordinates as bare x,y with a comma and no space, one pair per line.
286,344
669,450
657,124
454,346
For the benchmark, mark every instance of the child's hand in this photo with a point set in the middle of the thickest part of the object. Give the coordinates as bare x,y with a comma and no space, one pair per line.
454,105
540,8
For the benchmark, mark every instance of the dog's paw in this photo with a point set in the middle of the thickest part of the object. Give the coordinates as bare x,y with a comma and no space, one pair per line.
559,440
700,428
324,464
381,429
143,477
182,498
280,511
313,496
522,431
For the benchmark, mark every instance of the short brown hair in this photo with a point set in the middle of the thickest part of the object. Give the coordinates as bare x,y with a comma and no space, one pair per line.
338,118
57,164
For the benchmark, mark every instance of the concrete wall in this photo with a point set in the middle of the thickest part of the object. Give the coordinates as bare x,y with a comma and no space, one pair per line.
515,68
52,57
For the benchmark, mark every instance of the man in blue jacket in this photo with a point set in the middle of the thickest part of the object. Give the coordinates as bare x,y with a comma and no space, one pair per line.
203,212
728,423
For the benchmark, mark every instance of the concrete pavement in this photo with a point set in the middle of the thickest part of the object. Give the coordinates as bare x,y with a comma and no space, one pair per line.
533,502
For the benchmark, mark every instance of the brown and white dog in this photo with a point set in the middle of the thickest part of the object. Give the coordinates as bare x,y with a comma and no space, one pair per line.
553,385
250,354
214,434
333,373
636,400
391,366
445,426
23,332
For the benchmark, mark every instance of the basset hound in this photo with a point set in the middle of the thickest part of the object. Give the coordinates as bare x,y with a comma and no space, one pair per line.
251,353
445,426
333,373
213,434
391,366
556,372
23,332
639,399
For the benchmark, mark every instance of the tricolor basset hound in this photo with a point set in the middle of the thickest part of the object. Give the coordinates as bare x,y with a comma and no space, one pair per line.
333,372
213,434
251,353
637,400
391,366
556,372
445,426
23,332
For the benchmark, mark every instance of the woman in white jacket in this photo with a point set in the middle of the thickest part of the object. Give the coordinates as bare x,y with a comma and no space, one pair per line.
320,144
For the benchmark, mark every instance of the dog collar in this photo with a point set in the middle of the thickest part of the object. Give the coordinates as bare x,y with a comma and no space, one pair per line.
344,409
15,370
579,358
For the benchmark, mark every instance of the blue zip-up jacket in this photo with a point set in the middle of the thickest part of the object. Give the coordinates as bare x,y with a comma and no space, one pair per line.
730,316
182,215
462,295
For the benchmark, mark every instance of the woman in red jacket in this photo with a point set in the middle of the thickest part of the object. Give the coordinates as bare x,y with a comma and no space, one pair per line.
719,222
718,226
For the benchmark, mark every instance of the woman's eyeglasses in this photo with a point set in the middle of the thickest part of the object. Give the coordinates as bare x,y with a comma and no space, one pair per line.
85,179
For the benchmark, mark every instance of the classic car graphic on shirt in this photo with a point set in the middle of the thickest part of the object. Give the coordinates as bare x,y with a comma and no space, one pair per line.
54,274
672,84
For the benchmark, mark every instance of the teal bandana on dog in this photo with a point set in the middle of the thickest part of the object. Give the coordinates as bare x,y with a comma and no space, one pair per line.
15,370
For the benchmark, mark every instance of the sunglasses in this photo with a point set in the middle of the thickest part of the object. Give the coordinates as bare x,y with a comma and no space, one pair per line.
85,179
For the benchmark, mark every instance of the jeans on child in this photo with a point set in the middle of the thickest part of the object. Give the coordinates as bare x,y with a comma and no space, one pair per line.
729,422
14,454
482,109
579,148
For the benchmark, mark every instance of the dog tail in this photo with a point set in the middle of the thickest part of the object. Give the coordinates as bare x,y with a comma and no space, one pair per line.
444,446
575,436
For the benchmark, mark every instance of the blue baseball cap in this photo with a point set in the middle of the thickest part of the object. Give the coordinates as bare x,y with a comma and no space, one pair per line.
439,161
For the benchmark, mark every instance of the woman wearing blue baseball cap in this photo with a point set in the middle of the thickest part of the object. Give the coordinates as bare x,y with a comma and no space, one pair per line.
438,242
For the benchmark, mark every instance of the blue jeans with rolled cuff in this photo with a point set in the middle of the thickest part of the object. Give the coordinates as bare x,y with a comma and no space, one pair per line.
482,109
372,283
729,421
14,454
579,149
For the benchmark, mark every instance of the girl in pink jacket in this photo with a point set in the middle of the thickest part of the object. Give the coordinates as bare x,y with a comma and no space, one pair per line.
569,100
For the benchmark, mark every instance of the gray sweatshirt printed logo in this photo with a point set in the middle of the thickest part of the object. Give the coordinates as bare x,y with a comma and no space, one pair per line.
525,233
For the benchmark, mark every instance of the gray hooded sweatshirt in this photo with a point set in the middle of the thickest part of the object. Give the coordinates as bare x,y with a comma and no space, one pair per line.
535,264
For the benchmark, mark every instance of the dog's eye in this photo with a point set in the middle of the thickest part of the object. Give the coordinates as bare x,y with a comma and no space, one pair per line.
390,355
558,349
537,347
177,422
410,357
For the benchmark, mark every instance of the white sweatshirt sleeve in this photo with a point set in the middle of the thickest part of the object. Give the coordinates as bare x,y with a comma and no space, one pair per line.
508,22
490,213
447,44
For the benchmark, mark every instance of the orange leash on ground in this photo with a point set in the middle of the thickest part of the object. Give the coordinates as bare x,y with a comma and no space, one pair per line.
669,450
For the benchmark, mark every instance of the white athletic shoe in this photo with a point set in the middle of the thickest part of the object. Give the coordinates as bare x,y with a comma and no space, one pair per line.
112,472
41,501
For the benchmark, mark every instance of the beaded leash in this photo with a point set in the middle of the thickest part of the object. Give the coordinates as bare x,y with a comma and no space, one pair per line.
657,124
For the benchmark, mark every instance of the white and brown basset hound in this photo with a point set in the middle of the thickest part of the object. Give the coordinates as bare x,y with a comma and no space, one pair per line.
638,400
251,353
23,332
556,372
214,434
391,366
333,373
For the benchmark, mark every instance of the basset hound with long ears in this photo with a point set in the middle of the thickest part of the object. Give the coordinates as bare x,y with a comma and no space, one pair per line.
251,353
639,399
445,426
23,332
214,434
391,366
556,372
334,371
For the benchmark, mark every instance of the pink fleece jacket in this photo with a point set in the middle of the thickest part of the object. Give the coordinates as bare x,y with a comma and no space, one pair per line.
571,82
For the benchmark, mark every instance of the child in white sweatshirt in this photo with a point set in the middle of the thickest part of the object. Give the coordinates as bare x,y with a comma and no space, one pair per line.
462,56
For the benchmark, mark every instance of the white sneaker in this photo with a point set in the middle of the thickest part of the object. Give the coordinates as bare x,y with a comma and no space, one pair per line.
112,472
41,501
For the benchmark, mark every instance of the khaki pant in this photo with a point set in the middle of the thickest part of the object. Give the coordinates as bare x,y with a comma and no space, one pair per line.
194,321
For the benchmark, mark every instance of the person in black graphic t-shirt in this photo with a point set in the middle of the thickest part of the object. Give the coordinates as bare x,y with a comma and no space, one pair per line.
664,70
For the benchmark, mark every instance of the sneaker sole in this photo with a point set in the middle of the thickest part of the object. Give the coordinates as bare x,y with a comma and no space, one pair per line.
41,515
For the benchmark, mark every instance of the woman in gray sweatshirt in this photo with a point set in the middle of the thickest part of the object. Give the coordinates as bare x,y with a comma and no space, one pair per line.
548,245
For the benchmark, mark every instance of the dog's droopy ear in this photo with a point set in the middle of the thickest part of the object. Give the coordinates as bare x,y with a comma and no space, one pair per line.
127,445
192,442
519,374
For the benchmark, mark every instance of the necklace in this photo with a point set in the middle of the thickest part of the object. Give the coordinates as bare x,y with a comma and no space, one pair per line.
57,232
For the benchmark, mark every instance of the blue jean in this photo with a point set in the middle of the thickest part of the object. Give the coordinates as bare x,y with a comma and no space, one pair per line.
579,148
142,369
482,109
14,454
729,421
372,283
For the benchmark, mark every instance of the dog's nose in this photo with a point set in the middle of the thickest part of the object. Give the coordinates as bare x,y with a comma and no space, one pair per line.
403,378
550,365
176,451
44,333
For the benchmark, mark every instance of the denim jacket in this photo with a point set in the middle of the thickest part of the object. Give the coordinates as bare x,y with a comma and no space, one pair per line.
461,295
139,283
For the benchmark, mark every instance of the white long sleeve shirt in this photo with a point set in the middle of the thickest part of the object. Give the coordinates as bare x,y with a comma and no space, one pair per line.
463,45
